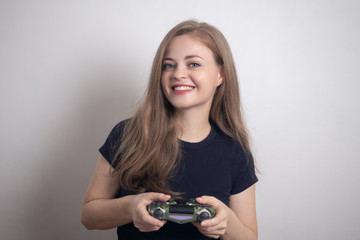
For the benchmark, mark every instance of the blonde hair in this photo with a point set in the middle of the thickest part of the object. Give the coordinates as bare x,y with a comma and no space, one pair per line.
150,150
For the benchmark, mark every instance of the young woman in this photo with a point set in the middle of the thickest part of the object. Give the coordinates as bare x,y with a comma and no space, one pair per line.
187,140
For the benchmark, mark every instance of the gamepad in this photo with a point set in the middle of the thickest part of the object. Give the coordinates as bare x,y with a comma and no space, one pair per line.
192,211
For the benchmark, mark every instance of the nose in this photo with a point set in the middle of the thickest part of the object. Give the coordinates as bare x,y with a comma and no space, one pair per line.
180,72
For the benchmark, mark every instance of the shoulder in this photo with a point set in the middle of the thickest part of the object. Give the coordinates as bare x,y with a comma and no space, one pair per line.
113,140
117,131
119,128
239,159
222,142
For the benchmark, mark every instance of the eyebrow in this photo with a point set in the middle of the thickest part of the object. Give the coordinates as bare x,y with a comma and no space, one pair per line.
187,57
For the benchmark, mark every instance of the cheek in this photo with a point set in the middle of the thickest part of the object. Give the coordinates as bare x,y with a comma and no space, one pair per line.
165,76
216,79
208,81
199,79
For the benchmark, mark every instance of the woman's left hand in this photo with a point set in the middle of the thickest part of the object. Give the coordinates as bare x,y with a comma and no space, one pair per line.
214,227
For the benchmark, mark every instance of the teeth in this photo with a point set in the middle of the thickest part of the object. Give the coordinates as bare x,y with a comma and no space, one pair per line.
182,88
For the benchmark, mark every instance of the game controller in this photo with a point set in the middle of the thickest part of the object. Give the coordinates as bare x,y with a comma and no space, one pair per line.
192,211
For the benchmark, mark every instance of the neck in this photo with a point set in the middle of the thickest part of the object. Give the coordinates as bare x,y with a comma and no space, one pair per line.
194,125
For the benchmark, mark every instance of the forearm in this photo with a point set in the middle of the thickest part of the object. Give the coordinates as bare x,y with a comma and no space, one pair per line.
236,230
106,213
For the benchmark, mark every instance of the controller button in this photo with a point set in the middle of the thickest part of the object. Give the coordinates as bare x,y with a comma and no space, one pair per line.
158,214
203,216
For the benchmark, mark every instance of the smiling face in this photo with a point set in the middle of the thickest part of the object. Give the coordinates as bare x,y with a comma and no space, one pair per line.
190,74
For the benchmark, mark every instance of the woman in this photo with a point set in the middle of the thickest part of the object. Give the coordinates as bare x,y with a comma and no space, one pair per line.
187,140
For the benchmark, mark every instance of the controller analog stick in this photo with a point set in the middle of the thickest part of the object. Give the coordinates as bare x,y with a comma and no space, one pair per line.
204,216
158,214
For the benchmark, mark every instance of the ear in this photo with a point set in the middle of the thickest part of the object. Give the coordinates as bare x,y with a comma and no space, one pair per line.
220,78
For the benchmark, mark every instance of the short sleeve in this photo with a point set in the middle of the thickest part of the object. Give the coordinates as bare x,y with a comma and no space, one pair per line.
243,172
112,142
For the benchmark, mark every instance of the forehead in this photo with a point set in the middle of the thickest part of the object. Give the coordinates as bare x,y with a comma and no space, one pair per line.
185,45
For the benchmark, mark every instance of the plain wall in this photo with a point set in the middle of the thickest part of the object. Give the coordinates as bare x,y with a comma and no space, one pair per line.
70,70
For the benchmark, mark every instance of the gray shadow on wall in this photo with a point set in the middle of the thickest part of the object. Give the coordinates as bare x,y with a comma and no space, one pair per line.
71,155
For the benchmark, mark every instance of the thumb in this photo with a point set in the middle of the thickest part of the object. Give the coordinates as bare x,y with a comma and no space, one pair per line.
207,200
160,197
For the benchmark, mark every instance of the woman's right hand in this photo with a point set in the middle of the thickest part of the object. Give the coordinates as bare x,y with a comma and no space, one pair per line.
140,216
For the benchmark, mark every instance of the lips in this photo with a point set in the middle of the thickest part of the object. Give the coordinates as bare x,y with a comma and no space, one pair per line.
182,89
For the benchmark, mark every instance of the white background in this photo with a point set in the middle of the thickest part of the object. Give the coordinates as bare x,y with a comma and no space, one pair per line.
70,70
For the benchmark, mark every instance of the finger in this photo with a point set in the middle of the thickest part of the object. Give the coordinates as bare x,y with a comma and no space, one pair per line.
208,200
218,219
144,218
212,233
151,221
213,229
148,229
214,236
159,197
208,223
196,224
145,226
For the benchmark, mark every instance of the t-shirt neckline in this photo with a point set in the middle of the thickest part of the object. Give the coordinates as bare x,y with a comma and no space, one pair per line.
202,143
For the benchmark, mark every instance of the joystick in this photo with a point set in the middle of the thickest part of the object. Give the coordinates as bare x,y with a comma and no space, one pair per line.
181,213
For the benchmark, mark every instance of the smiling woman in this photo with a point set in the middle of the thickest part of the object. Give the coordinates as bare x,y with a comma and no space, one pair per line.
191,74
187,140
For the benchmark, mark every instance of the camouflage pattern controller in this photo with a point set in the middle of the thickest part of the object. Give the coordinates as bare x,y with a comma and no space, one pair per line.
181,213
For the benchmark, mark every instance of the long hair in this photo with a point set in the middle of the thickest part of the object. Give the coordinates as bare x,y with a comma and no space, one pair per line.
150,150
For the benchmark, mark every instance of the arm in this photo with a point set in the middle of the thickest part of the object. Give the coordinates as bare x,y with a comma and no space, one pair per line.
101,210
237,222
244,223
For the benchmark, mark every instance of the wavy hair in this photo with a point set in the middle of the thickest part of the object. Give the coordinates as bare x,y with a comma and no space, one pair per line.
150,150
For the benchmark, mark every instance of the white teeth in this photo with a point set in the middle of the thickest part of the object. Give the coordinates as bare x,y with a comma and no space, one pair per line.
182,88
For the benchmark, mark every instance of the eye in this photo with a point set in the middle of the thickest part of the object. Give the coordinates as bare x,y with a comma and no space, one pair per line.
168,66
194,65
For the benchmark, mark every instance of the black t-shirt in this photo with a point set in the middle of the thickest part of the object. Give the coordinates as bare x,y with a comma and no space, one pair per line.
216,166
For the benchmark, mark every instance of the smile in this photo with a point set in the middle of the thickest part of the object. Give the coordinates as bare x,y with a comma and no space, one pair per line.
182,88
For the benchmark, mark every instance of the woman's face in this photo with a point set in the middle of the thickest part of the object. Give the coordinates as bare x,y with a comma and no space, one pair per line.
190,74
